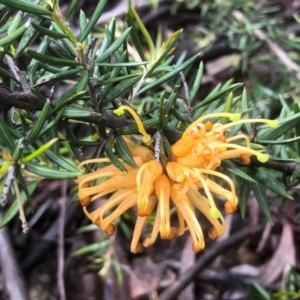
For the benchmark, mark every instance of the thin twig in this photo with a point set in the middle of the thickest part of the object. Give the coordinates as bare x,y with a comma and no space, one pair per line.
6,187
49,239
206,259
13,279
187,96
30,101
20,207
25,99
114,122
157,145
285,167
61,230
17,73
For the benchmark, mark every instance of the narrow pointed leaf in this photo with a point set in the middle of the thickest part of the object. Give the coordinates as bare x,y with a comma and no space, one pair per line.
50,173
113,47
244,196
93,20
197,82
169,75
26,7
272,183
53,60
145,33
10,38
259,191
123,151
114,159
48,32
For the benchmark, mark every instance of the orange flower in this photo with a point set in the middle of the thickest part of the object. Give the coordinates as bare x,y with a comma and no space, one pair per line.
156,188
205,145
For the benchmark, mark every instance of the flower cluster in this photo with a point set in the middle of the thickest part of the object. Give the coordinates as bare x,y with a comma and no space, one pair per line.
185,182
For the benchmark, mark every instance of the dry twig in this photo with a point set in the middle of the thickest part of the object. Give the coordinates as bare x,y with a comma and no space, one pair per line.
206,259
14,281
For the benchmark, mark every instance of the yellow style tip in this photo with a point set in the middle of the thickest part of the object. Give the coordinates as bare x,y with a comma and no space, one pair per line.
235,117
146,138
273,123
215,213
119,111
263,157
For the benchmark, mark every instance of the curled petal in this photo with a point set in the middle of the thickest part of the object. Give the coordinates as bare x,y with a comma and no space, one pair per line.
113,184
262,157
182,204
145,179
174,171
183,146
163,193
128,202
202,203
245,159
139,151
203,181
219,190
85,201
110,229
136,246
148,241
191,160
229,208
231,116
123,195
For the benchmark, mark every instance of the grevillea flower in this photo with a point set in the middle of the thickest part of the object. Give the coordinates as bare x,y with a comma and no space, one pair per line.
186,182
205,145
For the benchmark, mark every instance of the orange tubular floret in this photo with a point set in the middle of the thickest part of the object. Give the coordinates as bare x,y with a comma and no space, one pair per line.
113,184
149,241
191,160
174,171
127,203
163,193
138,150
117,198
202,204
85,201
245,159
229,208
232,116
136,246
183,146
145,179
183,206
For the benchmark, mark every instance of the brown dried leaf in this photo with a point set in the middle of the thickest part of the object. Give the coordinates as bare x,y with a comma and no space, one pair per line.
282,259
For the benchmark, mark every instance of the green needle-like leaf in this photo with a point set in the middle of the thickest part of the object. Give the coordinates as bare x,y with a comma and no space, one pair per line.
95,17
26,7
114,46
53,60
48,172
169,75
123,151
114,159
48,32
259,191
145,33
